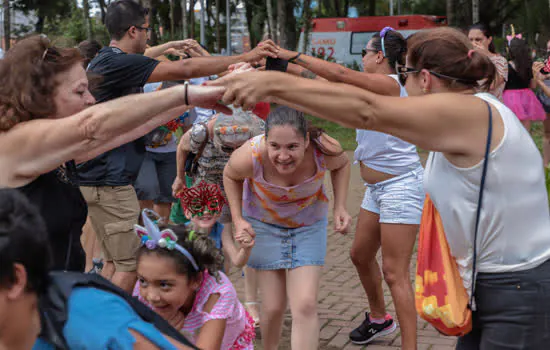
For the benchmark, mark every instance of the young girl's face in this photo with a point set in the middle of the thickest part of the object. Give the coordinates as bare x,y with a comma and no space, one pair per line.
163,287
204,222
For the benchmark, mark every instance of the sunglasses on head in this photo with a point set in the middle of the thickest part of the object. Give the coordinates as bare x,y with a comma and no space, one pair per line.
403,73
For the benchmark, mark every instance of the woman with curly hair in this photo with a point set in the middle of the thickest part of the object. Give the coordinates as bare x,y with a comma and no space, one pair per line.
48,124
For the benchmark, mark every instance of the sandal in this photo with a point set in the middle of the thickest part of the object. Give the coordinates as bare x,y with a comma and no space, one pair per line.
252,309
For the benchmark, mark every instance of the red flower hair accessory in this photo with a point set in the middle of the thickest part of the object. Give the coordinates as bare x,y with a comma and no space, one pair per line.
202,197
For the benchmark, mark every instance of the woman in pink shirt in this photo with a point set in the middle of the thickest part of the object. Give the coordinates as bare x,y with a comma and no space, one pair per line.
275,188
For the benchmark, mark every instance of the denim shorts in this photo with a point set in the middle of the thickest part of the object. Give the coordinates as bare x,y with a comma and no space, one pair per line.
398,200
156,176
279,247
513,311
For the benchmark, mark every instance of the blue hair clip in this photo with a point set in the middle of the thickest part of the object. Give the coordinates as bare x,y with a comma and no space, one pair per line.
152,237
383,33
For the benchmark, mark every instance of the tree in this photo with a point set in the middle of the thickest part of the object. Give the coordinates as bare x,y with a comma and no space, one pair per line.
307,25
172,26
271,29
372,7
87,19
218,27
184,22
450,12
7,21
281,23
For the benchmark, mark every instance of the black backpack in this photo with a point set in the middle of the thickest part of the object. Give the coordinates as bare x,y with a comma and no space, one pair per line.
53,307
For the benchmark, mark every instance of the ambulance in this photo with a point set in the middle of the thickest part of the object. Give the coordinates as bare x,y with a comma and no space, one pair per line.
342,39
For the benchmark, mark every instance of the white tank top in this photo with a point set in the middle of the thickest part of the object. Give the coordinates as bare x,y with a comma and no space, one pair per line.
514,228
386,153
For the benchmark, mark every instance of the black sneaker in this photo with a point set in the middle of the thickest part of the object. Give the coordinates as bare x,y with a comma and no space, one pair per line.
368,331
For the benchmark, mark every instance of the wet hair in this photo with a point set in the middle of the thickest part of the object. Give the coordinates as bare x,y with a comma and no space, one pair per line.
123,14
28,81
446,51
486,32
395,46
200,246
23,240
89,49
521,56
286,116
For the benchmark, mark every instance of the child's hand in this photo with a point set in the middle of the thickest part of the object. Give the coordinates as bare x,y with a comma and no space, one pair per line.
245,240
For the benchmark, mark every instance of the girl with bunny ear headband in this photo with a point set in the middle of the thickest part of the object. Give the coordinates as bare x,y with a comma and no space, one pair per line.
179,277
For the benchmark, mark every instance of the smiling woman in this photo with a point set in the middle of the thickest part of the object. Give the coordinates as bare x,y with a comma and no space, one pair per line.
284,204
47,121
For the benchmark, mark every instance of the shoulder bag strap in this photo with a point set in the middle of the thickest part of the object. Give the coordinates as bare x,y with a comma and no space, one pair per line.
480,201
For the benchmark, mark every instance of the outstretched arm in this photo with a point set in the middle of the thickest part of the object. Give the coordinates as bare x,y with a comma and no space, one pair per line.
38,146
197,67
425,121
377,83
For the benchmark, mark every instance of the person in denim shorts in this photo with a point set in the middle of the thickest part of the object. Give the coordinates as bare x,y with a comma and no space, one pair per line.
392,207
285,206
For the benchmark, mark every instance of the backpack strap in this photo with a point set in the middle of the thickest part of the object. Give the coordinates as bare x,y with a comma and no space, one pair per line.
203,145
54,312
480,202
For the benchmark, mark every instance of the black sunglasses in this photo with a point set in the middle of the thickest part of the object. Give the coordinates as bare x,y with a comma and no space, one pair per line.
403,73
364,51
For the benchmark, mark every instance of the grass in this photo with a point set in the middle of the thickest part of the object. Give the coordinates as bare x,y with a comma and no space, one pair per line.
345,136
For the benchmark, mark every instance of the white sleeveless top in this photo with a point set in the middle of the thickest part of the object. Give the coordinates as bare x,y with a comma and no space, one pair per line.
386,153
514,228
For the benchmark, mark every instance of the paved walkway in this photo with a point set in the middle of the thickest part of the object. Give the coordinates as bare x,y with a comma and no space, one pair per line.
342,302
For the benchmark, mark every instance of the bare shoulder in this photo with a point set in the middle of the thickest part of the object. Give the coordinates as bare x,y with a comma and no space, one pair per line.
240,165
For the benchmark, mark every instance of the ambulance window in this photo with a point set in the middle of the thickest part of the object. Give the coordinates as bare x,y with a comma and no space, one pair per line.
359,42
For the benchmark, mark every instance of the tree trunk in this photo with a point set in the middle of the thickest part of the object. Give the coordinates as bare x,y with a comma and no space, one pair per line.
451,12
337,8
475,11
184,23
291,37
87,19
307,23
218,28
271,29
192,19
281,23
249,14
346,8
172,19
7,29
39,27
372,7
102,9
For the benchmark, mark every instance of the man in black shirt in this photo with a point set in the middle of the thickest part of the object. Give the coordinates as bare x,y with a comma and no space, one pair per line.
106,181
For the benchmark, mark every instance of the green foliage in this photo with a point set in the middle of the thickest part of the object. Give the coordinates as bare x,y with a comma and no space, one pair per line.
70,30
345,136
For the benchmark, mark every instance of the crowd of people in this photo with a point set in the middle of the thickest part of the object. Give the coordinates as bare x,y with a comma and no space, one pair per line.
163,193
